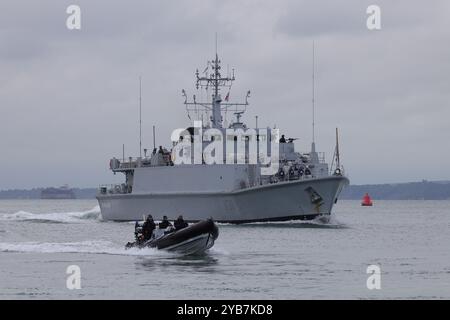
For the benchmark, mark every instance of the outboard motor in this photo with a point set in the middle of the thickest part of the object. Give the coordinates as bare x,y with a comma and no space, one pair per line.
138,230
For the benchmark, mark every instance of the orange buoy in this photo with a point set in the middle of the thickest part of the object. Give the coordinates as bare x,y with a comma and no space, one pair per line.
366,201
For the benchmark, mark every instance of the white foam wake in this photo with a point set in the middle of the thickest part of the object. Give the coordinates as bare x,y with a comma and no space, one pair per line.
219,251
92,247
62,217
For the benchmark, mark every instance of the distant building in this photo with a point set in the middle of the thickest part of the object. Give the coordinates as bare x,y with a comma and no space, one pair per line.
63,192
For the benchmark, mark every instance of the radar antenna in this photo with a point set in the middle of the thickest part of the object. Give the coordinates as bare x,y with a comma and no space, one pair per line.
216,81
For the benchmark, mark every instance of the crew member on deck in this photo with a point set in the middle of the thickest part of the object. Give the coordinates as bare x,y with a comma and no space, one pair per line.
161,150
180,223
148,227
282,139
164,223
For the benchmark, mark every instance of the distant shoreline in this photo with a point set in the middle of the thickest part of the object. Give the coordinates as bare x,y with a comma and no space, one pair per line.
423,190
35,193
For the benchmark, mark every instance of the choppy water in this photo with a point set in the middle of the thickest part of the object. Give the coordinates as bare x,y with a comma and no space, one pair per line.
409,240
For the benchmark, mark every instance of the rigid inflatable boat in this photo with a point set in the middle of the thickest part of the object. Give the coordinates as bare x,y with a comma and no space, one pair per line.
194,239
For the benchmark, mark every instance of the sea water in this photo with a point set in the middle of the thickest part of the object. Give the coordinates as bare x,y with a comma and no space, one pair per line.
408,241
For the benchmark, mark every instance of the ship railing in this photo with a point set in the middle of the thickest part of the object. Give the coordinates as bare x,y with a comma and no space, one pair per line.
114,189
121,164
132,163
273,179
136,162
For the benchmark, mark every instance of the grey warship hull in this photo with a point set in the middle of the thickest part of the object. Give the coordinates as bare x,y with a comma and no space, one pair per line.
289,200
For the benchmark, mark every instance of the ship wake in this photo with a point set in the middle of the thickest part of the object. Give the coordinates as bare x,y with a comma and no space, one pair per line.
53,217
329,223
87,247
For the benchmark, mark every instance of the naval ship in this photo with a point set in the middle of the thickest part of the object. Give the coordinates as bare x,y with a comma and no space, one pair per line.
213,169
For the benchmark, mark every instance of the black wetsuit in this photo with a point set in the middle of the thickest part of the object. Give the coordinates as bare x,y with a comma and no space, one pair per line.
147,229
180,224
164,224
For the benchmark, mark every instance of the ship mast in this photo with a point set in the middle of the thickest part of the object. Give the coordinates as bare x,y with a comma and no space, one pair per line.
215,80
313,154
313,97
217,99
338,158
140,116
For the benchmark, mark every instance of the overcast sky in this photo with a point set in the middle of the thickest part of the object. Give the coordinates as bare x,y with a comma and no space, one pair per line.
69,98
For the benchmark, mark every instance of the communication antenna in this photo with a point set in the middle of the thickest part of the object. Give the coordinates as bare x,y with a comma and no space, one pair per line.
216,42
338,158
140,116
313,95
215,108
154,138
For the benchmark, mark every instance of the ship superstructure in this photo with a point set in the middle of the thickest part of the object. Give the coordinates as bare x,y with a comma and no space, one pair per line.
229,172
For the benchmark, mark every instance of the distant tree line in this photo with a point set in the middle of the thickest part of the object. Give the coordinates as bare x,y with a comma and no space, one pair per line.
424,190
35,193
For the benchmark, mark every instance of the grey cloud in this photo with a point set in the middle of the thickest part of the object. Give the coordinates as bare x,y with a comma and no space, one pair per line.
348,17
68,99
